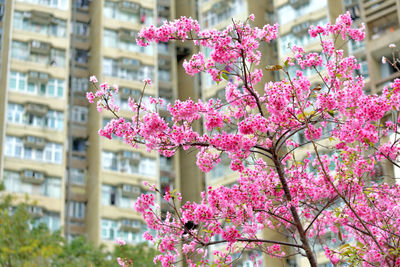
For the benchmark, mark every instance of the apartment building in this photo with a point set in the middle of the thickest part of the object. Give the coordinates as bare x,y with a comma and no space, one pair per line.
382,20
122,170
78,181
34,93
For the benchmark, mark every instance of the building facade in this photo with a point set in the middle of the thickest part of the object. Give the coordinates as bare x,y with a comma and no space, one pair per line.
77,181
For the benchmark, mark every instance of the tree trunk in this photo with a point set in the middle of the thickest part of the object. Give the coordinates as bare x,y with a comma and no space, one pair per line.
302,233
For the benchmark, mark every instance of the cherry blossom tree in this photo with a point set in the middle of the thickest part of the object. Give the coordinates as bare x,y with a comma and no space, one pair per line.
308,190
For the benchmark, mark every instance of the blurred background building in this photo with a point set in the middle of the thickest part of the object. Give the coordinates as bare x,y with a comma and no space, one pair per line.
87,185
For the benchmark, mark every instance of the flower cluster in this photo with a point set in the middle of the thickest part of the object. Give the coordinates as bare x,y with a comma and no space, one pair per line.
306,154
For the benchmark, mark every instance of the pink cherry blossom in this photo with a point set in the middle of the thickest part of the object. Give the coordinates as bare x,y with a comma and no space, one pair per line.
307,154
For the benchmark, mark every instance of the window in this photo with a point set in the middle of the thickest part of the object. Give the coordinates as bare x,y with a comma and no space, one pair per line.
222,168
80,84
110,67
53,88
81,56
50,187
109,229
81,29
14,146
222,11
79,144
36,53
116,196
18,81
15,113
79,114
166,164
52,152
110,38
109,160
60,4
78,176
112,229
163,48
127,69
19,50
57,58
164,75
288,13
356,46
50,26
147,166
108,195
125,40
50,219
115,10
133,163
18,114
363,68
387,69
81,3
55,120
302,39
126,202
77,210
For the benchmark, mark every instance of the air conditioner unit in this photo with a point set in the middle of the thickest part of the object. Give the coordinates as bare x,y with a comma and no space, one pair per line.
130,7
130,225
36,211
34,77
130,190
220,6
35,142
163,11
40,47
127,35
41,17
301,28
36,109
128,63
131,156
298,3
125,92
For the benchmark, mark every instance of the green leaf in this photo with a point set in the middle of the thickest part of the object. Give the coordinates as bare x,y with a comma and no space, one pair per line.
286,63
273,67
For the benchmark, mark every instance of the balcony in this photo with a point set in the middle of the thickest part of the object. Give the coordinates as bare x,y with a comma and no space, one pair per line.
40,47
36,109
35,211
130,190
34,142
133,157
127,35
40,17
129,7
38,77
32,177
130,225
386,81
298,3
374,9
